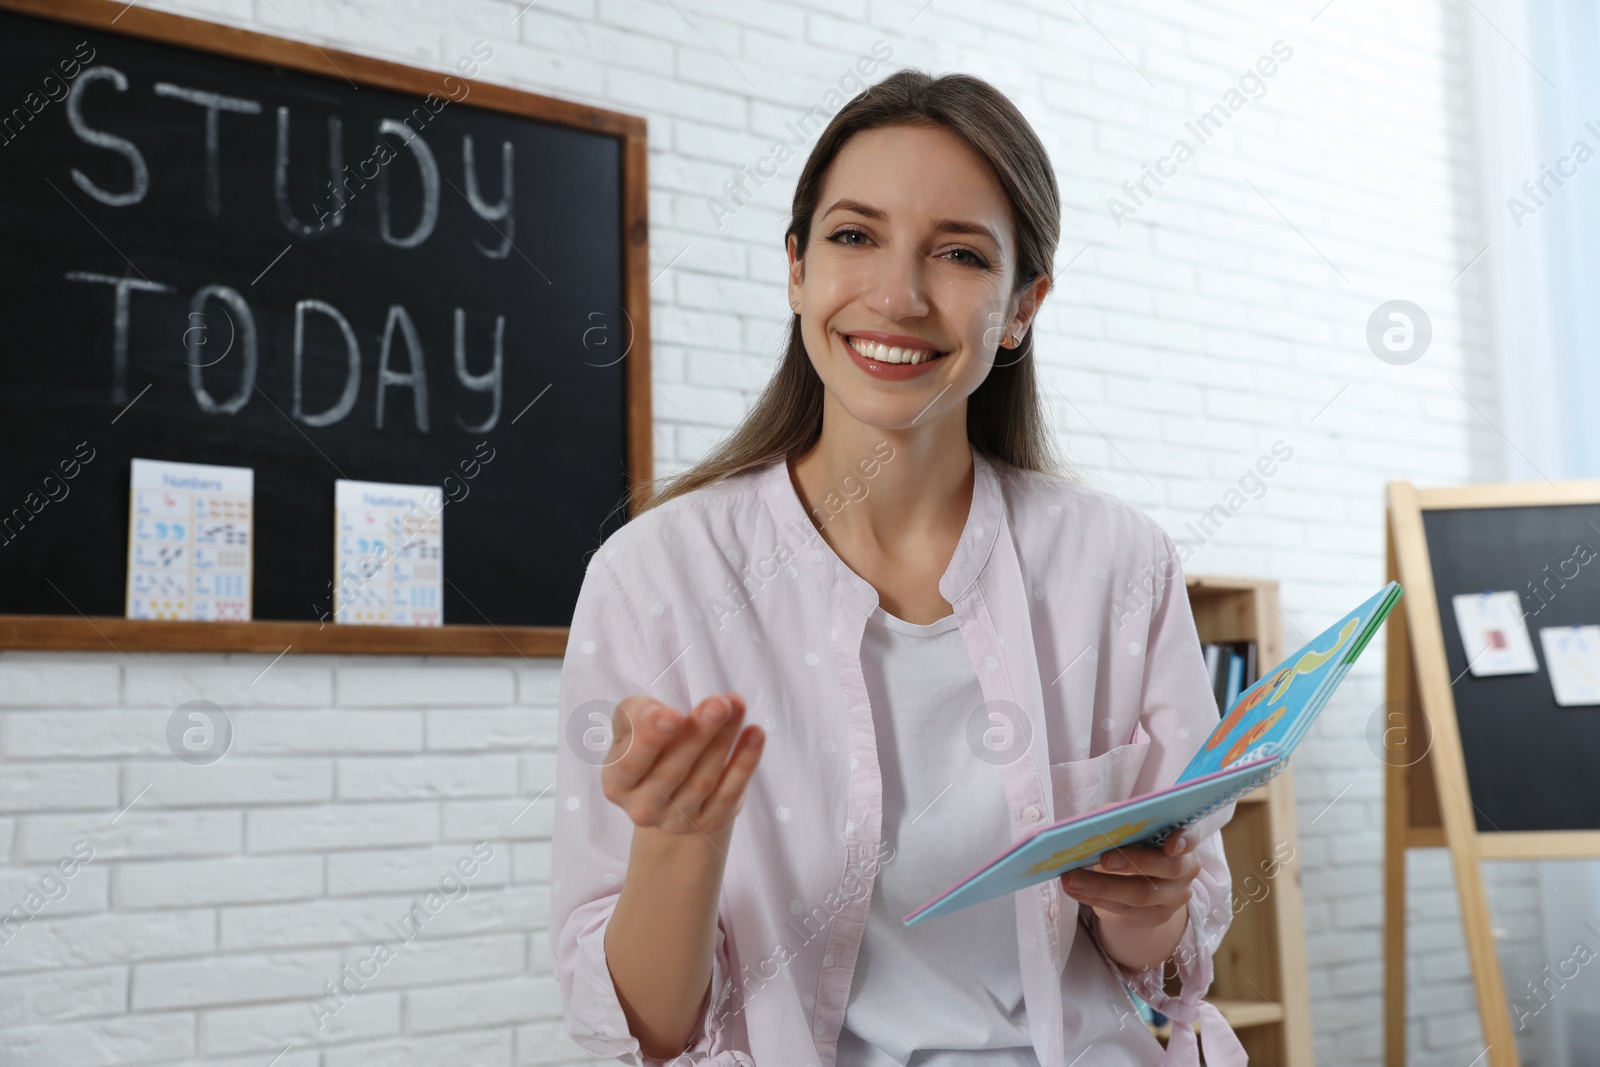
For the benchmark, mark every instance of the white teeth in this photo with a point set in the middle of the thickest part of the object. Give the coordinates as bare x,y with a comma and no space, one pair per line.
888,354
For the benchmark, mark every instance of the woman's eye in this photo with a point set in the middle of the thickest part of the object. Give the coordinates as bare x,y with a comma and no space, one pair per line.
839,237
973,259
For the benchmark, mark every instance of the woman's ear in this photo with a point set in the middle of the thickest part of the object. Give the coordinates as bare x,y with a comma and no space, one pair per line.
1027,307
797,271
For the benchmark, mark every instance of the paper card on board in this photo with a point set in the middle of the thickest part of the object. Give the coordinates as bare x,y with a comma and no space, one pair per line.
190,541
1493,634
1573,655
388,554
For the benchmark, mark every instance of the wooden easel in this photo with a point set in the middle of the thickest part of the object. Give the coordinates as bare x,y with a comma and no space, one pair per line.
1427,798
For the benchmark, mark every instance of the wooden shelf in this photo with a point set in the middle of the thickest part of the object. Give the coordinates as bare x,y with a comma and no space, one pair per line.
1241,1015
1246,1013
1260,984
61,633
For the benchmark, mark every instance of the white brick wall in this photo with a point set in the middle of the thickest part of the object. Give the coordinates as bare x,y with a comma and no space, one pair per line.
1176,349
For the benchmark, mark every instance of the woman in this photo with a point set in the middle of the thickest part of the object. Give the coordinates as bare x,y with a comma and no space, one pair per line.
945,644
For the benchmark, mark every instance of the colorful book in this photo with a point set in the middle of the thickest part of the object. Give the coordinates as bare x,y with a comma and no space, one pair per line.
1250,745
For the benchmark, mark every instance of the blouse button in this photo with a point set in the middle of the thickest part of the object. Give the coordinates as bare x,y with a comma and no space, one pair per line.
1032,814
1053,910
827,959
817,1027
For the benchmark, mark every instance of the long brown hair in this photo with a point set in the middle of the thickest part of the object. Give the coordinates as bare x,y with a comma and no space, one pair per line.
1005,420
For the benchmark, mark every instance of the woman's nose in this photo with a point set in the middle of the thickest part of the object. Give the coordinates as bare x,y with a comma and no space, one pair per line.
901,290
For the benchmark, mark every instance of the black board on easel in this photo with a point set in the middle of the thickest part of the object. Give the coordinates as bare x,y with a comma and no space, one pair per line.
1532,765
432,239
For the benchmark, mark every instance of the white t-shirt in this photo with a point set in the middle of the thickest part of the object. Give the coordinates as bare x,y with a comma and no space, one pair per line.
947,992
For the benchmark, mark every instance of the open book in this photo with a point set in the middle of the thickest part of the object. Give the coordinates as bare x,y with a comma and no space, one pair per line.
1250,745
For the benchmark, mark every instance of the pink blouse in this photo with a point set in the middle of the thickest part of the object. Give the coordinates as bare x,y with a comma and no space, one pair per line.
1070,603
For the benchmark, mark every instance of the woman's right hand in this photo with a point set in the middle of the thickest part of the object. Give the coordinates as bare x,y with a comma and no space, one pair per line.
676,774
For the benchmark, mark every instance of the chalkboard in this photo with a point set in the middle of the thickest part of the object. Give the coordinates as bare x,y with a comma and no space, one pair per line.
221,247
1531,765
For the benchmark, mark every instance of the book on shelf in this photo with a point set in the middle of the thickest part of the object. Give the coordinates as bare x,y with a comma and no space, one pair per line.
1231,666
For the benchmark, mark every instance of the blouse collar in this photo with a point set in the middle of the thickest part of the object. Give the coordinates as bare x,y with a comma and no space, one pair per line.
984,518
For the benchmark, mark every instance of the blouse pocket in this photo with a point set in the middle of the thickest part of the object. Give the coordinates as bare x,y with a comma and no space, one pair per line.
1083,785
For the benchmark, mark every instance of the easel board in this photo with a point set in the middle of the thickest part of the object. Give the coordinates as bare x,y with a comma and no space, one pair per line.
1487,767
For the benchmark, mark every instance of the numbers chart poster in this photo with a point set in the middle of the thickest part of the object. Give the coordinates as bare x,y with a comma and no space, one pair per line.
389,554
190,534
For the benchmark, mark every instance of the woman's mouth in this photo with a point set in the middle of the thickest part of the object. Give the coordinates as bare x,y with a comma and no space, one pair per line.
891,355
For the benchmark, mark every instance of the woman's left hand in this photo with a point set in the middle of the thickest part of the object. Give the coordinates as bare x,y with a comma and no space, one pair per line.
1141,888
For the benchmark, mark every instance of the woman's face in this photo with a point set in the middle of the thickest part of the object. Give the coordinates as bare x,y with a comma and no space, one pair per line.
912,249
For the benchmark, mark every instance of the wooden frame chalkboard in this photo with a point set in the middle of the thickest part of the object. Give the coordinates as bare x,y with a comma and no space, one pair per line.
344,72
1489,768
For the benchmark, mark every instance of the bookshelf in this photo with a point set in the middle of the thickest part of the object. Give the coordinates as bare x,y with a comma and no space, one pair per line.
1260,984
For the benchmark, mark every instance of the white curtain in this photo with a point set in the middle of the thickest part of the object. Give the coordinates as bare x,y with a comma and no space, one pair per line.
1567,40
1537,96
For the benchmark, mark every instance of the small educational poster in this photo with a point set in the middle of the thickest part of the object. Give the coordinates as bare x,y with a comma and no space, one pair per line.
388,554
190,541
1493,634
1573,656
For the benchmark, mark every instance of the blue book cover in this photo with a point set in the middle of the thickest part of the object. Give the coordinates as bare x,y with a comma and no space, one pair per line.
1250,744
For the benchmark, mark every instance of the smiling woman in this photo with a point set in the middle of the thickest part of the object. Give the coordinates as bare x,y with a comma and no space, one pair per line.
940,669
928,145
